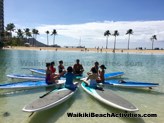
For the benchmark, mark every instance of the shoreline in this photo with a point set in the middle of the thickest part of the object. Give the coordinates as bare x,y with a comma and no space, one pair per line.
87,50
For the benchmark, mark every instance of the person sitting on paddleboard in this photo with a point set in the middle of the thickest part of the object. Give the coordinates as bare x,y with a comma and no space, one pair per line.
78,68
93,79
96,68
69,79
101,74
53,70
49,78
61,68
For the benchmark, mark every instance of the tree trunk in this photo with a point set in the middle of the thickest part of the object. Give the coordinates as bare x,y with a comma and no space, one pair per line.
152,43
114,44
128,41
107,42
54,40
47,40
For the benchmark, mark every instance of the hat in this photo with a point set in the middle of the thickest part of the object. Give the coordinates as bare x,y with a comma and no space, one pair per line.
103,66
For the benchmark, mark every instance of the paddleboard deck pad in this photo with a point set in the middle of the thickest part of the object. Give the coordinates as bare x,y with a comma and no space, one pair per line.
109,98
53,99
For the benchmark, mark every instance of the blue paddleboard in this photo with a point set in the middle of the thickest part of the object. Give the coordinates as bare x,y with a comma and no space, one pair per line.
130,84
28,84
113,74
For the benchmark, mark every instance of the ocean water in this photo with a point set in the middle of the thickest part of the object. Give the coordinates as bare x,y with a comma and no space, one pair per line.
137,67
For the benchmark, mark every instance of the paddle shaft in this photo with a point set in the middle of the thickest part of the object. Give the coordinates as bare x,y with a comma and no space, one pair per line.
46,94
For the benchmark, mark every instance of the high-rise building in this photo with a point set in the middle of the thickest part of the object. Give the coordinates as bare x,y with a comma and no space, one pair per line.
1,18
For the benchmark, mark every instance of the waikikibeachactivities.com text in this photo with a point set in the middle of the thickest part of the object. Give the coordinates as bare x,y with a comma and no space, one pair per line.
125,115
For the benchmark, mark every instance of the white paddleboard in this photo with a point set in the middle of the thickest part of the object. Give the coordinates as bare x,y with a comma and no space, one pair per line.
53,99
109,98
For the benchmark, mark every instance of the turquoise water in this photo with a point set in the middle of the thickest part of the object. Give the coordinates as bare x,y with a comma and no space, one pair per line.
137,67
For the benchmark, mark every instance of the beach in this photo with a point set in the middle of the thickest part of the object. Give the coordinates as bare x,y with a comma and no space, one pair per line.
87,49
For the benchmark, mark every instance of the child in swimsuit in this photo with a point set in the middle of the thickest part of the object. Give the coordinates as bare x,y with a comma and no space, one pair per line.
61,68
69,79
49,78
101,74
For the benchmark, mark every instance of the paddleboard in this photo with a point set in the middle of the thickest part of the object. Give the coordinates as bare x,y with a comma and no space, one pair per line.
39,71
113,75
109,98
53,99
29,85
130,84
26,77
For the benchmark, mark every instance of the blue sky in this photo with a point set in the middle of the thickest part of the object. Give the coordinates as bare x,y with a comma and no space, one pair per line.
80,17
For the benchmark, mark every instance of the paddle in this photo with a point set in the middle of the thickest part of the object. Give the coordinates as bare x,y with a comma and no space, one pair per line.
46,93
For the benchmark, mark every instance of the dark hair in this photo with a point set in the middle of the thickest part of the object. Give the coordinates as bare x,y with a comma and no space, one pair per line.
77,60
69,69
103,66
94,70
52,63
60,62
48,64
96,63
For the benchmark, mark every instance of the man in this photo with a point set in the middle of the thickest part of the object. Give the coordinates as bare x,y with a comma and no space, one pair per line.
78,68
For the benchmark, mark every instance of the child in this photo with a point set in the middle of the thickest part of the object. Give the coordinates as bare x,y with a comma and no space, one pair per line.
96,67
49,78
101,74
69,79
93,77
52,68
61,68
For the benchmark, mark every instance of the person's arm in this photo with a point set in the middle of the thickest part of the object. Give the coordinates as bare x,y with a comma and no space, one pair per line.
88,78
82,69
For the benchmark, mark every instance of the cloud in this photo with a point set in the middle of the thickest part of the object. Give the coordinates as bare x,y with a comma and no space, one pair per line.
92,34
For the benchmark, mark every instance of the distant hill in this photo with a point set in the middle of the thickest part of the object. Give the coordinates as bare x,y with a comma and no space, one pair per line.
36,43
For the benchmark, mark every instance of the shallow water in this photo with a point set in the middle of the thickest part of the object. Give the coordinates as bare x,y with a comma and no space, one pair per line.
137,67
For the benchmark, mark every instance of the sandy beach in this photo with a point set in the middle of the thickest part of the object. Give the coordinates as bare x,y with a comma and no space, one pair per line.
88,50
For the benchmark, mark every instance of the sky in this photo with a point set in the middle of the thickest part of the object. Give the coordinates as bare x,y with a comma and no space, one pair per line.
89,19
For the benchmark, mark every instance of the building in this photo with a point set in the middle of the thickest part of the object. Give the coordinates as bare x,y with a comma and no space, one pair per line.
1,18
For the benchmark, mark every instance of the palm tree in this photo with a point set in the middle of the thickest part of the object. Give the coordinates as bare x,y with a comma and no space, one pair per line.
54,32
10,27
35,32
27,33
153,38
19,33
47,32
107,33
33,35
129,32
115,34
